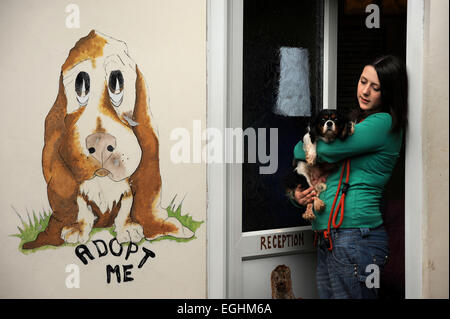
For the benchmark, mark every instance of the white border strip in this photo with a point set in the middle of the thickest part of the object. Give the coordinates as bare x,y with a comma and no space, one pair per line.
413,152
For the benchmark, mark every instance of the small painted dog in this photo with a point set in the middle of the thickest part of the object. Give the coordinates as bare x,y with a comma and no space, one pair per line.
327,126
281,283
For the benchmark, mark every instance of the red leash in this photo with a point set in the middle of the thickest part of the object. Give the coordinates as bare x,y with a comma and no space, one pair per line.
334,214
340,207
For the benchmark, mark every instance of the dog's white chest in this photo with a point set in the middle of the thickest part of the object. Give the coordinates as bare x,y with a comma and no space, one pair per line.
104,192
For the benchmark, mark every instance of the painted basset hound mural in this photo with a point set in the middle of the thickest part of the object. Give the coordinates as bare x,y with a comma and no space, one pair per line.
101,156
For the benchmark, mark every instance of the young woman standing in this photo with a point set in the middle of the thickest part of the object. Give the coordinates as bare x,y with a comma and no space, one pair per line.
360,244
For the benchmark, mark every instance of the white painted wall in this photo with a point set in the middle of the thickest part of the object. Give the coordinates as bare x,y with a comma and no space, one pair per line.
435,142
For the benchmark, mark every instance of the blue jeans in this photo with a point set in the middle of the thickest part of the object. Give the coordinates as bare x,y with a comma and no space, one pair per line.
352,269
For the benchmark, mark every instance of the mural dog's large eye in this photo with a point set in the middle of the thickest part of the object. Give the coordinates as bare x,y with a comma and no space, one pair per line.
82,87
115,87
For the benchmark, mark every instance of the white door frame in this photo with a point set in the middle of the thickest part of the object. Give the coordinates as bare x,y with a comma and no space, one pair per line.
225,90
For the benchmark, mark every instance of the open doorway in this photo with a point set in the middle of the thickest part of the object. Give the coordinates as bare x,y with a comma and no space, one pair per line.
255,64
358,45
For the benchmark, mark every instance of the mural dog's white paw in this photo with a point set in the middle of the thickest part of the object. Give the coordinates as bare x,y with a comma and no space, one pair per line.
180,230
74,235
183,232
161,214
130,233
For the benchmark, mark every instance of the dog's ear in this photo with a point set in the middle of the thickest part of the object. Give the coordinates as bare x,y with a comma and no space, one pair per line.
313,123
344,123
313,134
56,173
144,131
348,128
293,179
313,118
344,131
290,180
146,180
54,129
62,187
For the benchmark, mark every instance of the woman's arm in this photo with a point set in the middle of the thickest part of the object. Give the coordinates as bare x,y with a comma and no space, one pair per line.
369,136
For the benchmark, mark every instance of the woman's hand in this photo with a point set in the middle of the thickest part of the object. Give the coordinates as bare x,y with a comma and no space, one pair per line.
304,197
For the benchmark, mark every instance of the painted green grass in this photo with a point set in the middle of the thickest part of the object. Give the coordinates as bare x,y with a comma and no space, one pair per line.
37,222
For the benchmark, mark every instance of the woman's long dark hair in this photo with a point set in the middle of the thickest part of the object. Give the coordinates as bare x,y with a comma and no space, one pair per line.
393,79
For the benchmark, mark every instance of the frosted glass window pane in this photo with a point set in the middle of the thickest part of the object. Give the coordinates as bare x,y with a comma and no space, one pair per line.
282,87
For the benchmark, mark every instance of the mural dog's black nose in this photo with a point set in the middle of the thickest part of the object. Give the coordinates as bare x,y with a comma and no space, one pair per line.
100,146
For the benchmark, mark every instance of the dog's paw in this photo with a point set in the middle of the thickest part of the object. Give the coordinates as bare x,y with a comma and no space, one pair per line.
310,149
168,226
182,232
320,187
77,233
319,205
311,158
131,232
309,214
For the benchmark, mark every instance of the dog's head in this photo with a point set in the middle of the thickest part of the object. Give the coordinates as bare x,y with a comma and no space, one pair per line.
281,278
99,124
329,125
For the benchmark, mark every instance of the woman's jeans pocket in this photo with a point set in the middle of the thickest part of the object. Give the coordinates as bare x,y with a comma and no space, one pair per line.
352,269
374,254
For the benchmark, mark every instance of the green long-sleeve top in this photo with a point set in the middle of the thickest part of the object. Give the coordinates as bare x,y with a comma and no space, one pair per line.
373,150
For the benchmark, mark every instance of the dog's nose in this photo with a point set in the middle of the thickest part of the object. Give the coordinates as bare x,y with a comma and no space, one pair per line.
329,123
100,146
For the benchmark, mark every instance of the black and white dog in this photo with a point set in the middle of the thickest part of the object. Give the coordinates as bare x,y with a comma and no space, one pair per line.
327,126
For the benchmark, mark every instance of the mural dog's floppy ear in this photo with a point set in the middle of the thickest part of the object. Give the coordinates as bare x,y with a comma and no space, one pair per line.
61,185
146,180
